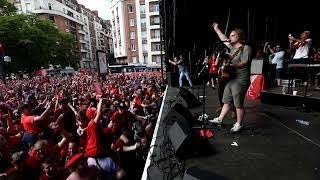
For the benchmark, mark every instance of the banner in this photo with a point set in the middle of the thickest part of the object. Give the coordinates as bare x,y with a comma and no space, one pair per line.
103,65
97,87
256,86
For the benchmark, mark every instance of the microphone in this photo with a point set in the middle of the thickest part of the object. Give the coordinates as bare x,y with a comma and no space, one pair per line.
226,40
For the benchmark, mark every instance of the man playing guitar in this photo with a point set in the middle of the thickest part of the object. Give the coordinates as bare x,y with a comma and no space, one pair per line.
237,87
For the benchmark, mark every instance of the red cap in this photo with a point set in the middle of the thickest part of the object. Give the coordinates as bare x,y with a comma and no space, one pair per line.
91,112
74,160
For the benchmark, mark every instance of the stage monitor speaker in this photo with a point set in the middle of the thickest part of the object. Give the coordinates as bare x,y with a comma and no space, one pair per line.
256,67
179,134
183,111
173,116
191,100
195,173
173,79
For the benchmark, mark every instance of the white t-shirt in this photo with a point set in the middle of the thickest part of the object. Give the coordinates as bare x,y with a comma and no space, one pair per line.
303,51
278,59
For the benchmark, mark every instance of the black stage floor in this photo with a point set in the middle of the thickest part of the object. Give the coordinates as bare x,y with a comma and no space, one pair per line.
275,96
271,146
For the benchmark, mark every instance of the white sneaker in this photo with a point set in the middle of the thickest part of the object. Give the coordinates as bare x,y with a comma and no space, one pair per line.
236,127
215,120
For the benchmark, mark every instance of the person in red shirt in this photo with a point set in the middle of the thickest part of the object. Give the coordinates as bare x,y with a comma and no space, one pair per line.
212,63
94,145
29,122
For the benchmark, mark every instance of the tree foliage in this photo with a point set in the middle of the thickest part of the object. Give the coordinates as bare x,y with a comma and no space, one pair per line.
33,43
6,8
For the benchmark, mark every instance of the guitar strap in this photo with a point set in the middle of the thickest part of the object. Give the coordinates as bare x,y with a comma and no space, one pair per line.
235,54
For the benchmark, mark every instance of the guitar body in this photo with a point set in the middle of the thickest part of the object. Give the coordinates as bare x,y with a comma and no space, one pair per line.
228,72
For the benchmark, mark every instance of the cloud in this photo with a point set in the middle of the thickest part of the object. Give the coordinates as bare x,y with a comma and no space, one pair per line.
102,6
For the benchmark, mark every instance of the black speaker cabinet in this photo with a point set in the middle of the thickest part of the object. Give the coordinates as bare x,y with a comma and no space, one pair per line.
195,173
179,134
191,100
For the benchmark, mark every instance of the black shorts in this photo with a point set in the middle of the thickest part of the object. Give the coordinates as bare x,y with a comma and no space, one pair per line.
279,73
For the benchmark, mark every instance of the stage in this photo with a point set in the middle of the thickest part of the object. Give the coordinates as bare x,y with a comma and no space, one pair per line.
271,146
275,96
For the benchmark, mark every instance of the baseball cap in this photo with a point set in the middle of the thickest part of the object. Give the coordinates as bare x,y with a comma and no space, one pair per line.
74,160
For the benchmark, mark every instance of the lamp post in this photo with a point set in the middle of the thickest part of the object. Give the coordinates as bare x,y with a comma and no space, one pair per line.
2,63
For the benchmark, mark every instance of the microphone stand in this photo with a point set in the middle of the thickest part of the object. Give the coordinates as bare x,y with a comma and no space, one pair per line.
204,130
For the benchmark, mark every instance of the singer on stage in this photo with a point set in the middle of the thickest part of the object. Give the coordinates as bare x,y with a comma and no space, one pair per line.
237,85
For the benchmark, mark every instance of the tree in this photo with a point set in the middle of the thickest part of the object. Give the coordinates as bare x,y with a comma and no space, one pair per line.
33,43
6,8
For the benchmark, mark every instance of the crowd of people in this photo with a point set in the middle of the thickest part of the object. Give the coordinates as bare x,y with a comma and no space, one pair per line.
79,127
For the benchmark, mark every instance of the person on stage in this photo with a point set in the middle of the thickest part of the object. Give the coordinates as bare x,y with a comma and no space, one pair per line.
237,86
183,69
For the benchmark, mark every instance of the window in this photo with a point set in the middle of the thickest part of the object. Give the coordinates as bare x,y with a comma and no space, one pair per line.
156,20
131,22
134,59
158,47
132,35
156,8
133,47
143,34
157,34
28,7
50,6
156,59
142,9
19,7
69,13
51,18
130,8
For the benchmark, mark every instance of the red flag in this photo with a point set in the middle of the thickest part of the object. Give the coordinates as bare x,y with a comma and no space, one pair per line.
97,87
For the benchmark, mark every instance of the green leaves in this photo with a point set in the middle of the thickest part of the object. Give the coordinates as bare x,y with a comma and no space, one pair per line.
33,43
6,8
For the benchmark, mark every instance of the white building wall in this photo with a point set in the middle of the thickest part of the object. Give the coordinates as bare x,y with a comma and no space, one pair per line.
120,50
148,31
138,25
57,8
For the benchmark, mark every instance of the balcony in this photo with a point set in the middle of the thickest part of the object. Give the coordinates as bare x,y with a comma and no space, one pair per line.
154,26
154,13
82,41
81,31
43,10
83,50
156,52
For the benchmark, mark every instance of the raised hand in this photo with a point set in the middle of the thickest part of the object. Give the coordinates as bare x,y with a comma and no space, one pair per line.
215,26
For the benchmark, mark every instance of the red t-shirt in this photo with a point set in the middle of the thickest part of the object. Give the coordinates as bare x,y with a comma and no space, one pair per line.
137,102
94,145
29,125
213,68
119,119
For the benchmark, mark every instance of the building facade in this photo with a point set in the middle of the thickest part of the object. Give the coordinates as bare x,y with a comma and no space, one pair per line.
136,31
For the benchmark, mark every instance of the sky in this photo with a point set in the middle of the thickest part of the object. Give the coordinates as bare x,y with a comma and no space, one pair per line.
103,7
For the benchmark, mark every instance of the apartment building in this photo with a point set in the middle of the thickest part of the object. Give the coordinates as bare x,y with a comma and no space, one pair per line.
71,17
136,31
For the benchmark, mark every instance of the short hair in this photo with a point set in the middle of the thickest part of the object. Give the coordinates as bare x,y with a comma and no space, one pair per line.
241,35
23,107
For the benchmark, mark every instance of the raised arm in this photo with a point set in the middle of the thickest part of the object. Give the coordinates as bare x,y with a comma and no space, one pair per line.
221,35
172,62
73,109
297,40
96,119
46,112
